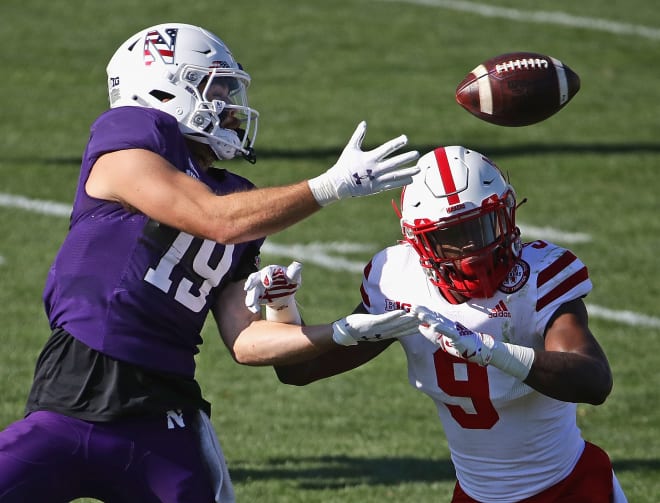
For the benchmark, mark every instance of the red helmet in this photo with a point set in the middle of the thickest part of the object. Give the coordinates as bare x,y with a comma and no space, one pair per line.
459,216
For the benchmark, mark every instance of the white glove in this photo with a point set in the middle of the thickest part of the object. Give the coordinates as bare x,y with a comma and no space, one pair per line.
355,328
359,173
275,286
453,337
472,346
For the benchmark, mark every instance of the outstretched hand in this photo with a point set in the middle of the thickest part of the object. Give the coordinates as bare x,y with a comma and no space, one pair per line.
359,173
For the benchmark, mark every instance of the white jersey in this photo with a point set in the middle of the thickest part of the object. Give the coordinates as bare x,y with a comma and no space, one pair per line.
507,441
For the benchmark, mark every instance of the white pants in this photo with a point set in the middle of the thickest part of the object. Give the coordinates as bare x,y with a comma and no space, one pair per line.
214,459
619,497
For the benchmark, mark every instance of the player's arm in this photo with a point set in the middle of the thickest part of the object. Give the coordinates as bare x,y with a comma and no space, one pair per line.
145,181
253,341
573,367
334,361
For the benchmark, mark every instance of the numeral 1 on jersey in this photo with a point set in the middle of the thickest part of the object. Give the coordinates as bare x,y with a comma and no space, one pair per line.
184,293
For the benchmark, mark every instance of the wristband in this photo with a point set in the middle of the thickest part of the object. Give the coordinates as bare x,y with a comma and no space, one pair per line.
287,313
323,190
340,335
513,359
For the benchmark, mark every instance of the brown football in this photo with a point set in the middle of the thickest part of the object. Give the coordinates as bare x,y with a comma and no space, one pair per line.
517,88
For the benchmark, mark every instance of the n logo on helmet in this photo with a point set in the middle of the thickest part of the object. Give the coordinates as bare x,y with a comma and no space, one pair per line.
155,45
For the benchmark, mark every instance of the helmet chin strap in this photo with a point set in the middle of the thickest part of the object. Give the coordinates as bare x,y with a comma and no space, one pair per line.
449,276
248,153
227,146
223,148
439,276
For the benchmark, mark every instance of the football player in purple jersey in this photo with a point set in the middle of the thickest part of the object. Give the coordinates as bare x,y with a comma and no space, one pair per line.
504,348
159,238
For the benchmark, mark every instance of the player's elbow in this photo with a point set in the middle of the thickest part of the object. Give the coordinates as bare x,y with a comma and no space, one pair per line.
292,375
246,354
249,358
226,232
601,386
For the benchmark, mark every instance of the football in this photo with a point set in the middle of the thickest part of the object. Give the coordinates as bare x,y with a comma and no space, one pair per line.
517,89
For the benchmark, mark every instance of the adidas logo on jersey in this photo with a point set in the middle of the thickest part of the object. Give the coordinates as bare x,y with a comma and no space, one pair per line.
499,311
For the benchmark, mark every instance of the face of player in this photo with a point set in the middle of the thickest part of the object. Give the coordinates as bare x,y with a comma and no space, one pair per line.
220,89
466,237
217,89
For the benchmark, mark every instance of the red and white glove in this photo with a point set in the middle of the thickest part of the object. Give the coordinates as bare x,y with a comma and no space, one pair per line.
360,327
275,287
358,173
472,346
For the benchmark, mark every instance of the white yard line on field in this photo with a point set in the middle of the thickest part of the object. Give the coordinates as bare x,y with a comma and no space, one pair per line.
625,317
321,254
35,205
540,17
332,255
530,232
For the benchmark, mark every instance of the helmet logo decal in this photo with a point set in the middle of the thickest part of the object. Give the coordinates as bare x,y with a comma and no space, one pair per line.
155,45
220,64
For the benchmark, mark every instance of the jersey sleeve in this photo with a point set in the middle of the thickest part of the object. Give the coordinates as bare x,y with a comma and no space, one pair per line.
370,291
391,279
128,128
561,277
249,262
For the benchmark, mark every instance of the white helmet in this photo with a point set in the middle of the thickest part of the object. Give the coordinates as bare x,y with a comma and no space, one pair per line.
459,215
190,74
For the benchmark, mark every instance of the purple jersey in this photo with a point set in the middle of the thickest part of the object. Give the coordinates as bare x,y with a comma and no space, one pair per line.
128,286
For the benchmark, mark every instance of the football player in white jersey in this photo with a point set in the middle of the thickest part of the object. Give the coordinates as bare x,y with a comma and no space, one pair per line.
504,348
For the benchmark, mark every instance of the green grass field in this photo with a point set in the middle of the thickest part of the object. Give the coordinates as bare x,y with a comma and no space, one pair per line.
590,175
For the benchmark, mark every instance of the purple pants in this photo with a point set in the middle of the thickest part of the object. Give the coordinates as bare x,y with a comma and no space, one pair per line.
55,458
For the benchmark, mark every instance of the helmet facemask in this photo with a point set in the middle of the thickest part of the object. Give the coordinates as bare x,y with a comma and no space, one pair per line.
220,116
459,216
469,254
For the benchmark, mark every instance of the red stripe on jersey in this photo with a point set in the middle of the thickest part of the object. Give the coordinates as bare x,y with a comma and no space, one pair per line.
363,292
555,268
367,269
446,176
365,297
562,288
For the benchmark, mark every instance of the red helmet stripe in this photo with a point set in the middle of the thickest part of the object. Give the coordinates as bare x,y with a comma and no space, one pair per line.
446,176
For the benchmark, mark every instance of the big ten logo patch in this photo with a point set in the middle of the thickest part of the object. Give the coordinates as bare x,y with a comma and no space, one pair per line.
395,305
